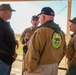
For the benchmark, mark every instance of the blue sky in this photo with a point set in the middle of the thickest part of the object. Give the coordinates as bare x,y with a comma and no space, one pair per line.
21,19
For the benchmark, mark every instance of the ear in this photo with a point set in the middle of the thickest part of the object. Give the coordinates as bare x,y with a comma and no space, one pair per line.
43,17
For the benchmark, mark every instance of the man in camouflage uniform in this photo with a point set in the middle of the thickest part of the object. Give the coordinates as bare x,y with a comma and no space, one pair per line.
71,50
26,36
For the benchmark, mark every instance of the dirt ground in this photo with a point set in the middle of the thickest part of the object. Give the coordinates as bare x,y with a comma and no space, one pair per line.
17,66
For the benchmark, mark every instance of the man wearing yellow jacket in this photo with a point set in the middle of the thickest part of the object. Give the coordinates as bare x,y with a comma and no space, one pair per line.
46,47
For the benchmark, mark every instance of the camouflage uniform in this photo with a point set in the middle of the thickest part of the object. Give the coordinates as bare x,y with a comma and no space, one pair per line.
24,39
71,55
27,32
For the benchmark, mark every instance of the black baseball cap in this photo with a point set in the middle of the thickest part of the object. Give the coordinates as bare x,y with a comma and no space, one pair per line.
35,17
47,11
73,20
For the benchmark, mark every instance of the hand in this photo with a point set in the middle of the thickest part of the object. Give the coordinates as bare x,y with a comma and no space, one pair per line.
27,35
15,56
17,44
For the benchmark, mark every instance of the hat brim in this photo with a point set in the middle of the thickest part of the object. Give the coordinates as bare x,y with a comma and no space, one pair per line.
13,10
39,14
8,9
72,21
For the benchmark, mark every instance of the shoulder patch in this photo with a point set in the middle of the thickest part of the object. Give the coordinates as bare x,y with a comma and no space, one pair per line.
56,40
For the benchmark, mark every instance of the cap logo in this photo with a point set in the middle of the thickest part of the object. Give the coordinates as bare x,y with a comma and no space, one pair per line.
56,40
52,13
43,12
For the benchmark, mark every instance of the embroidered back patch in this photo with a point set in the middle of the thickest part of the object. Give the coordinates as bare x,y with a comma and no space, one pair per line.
56,40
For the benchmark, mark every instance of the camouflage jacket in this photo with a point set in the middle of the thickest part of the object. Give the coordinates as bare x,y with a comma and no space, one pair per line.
27,34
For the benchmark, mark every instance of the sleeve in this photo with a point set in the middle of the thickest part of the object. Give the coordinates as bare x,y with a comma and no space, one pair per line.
75,44
70,49
33,54
73,61
23,36
64,47
3,48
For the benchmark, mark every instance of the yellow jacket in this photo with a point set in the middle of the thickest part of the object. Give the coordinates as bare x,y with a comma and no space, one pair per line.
41,50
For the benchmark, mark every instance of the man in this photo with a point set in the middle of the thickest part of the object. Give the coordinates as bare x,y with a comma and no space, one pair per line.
26,36
7,40
71,49
46,47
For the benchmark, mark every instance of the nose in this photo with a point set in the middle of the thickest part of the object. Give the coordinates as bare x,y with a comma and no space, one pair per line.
70,26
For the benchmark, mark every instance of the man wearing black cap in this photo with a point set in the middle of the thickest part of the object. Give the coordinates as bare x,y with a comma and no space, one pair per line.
8,42
26,36
71,50
46,47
